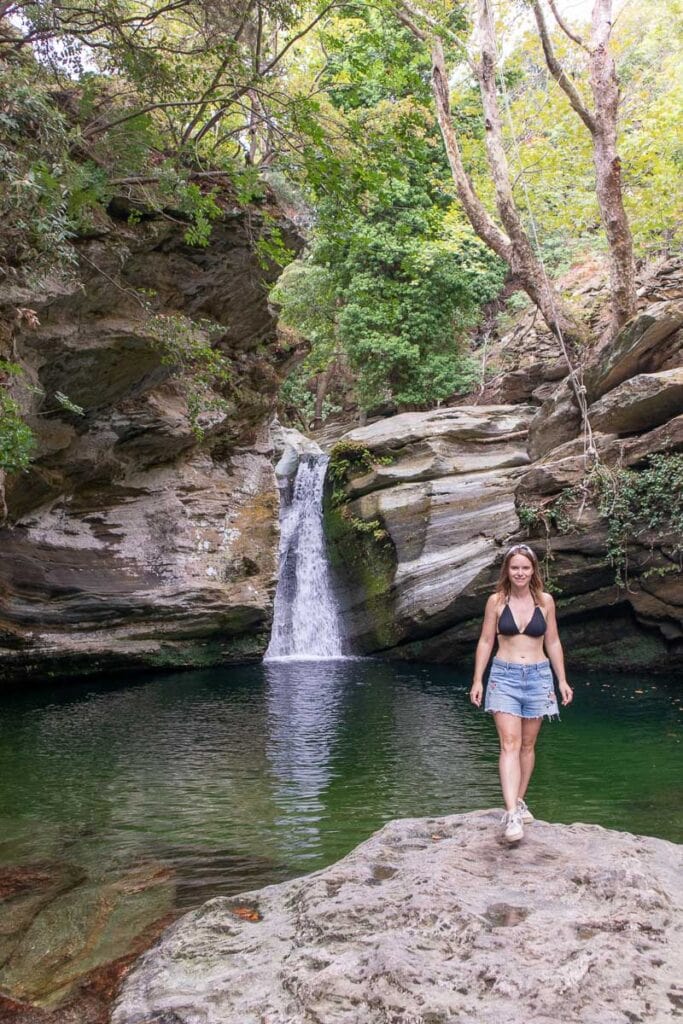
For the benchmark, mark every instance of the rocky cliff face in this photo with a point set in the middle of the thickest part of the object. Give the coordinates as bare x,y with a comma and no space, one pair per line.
427,500
130,542
441,496
430,921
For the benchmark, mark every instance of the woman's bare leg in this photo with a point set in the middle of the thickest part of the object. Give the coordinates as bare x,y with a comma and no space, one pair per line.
510,735
527,757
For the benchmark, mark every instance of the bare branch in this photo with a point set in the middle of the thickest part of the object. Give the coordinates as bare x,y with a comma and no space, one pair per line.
476,212
414,13
565,28
206,97
410,25
263,71
153,179
557,71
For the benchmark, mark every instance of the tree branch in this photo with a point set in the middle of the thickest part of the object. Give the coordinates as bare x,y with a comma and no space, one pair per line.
557,71
565,28
476,212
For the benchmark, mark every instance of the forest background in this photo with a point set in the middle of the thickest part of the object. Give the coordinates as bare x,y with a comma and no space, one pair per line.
191,107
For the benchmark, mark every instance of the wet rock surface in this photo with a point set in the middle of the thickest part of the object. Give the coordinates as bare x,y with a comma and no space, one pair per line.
67,939
430,921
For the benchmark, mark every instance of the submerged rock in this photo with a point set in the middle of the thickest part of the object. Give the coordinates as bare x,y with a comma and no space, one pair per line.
432,921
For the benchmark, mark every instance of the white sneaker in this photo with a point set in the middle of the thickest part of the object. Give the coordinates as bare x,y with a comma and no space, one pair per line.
514,829
524,812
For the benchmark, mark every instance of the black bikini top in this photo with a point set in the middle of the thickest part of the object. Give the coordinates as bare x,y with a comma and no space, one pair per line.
508,627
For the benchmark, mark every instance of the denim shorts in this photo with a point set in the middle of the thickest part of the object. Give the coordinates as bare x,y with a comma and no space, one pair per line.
523,690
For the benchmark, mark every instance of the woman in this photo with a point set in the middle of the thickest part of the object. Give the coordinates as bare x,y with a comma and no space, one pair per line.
520,689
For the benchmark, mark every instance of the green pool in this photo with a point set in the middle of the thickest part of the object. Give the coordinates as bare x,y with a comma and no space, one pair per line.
128,800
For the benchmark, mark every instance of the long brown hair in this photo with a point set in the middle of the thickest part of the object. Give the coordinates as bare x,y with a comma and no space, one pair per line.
504,587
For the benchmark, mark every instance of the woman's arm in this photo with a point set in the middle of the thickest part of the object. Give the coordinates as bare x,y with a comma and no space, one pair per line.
487,639
553,649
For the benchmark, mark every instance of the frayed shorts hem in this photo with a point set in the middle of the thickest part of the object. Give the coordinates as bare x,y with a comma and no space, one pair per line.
550,715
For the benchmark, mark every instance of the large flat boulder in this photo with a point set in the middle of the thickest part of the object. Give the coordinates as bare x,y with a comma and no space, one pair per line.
437,490
431,921
650,342
640,403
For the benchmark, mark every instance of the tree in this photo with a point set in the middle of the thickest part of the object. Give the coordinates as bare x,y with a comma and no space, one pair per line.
602,123
512,244
399,274
209,78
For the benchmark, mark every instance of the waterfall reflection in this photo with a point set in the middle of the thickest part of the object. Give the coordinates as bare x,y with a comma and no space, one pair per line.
304,703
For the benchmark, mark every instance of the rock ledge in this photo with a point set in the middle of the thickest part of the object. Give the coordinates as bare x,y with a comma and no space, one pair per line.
435,921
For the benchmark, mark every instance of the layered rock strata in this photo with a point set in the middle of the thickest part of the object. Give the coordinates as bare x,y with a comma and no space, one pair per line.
417,538
132,541
431,921
441,492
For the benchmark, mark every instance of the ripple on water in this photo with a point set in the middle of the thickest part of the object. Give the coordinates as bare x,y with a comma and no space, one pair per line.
164,793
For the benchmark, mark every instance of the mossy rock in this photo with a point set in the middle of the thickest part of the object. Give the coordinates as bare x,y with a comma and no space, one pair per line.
363,557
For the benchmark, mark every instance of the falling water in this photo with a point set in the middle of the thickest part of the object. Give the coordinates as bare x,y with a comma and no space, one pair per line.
306,622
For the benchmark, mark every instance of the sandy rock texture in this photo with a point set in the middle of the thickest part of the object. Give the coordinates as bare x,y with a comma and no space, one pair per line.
131,541
433,921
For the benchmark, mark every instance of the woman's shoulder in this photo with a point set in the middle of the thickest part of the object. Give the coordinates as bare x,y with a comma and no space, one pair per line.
547,600
495,601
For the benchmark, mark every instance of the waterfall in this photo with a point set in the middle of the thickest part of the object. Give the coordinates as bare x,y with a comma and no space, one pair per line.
306,622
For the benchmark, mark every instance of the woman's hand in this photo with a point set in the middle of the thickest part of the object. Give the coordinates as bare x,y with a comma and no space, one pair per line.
566,693
476,693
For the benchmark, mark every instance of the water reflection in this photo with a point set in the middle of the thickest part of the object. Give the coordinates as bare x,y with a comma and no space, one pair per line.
293,763
304,705
135,801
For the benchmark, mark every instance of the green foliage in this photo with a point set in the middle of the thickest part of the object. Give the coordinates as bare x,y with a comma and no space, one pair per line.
67,404
367,527
34,202
641,504
393,279
270,246
297,395
346,459
636,504
16,438
202,209
203,369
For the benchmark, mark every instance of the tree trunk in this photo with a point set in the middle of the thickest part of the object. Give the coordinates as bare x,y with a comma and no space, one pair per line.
605,89
514,247
476,212
601,122
523,261
321,386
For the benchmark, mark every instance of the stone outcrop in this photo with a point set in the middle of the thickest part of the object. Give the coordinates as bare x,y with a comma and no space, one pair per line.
131,540
651,342
639,403
432,921
417,535
441,493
